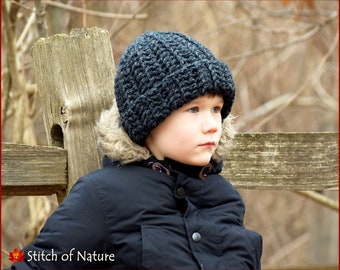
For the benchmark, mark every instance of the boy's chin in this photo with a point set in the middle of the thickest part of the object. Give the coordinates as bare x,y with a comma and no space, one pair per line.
201,162
194,160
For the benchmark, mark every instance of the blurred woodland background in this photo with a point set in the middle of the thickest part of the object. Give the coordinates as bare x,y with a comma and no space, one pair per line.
284,59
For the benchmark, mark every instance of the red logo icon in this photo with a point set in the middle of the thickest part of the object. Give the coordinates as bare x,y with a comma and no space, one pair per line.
16,256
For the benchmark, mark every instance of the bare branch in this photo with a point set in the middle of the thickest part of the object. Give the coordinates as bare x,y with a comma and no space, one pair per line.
40,15
294,94
21,5
26,30
12,81
321,199
97,13
121,27
283,45
318,87
83,2
288,249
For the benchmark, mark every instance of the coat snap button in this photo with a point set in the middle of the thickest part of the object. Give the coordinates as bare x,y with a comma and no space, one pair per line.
181,193
196,237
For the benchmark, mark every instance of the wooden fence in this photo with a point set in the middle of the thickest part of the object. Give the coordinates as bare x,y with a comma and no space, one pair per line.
74,75
302,162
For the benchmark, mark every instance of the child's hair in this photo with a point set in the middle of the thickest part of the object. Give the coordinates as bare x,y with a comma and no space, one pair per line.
158,73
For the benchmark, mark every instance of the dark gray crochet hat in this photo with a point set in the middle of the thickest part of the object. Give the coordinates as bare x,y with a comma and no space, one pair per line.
160,72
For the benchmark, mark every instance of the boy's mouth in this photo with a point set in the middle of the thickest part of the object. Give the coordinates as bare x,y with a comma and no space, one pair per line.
208,144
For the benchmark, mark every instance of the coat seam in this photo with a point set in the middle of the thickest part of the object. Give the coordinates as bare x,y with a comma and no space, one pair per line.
104,210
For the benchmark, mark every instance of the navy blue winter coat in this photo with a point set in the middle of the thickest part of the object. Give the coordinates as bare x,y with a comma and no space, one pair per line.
148,215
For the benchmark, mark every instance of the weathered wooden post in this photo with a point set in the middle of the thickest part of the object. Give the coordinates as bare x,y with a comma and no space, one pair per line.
75,77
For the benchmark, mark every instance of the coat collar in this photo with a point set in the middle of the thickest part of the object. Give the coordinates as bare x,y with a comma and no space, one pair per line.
172,167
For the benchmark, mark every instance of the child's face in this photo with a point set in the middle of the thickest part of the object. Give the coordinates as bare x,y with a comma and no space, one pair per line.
189,134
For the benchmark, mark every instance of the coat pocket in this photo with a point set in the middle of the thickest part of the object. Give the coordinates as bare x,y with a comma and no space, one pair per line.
242,248
153,247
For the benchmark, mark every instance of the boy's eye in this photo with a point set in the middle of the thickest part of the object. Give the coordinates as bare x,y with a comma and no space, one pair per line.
193,110
217,109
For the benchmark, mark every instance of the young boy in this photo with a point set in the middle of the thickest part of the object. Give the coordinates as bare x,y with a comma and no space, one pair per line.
159,202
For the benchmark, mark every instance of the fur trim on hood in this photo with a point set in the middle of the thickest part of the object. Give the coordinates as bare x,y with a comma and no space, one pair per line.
114,142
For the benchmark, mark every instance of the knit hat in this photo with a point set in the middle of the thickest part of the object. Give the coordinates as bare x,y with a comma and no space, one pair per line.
160,72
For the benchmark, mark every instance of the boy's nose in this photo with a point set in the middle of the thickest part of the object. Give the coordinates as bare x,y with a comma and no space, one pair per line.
210,123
